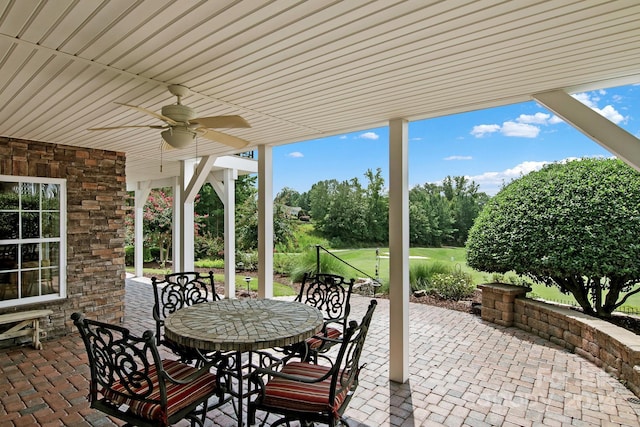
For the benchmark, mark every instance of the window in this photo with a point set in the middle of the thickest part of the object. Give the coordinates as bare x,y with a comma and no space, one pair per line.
32,240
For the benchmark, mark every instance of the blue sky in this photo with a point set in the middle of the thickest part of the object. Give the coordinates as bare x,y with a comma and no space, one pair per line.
490,147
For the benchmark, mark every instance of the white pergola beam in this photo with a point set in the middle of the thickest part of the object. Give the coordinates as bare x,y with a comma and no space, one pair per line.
398,251
606,133
198,178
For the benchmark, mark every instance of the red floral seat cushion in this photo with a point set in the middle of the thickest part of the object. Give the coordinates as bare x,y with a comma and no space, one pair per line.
315,343
292,395
178,395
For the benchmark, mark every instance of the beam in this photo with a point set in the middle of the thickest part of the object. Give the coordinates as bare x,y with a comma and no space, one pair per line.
606,133
198,178
398,251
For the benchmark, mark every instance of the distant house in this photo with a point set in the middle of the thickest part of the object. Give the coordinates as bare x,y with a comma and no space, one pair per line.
292,211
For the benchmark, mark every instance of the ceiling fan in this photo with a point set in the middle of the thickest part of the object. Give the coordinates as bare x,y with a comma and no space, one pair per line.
182,126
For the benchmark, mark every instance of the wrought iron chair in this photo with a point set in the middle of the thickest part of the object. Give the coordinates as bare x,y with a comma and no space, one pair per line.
176,291
310,392
131,382
330,294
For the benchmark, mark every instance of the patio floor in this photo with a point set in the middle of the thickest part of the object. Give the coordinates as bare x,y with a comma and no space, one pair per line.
463,372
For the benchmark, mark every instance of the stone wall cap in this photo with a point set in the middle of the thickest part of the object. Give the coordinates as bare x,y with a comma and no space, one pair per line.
505,288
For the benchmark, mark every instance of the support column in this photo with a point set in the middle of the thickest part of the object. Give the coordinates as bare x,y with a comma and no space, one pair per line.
141,195
265,221
398,251
187,218
176,228
230,176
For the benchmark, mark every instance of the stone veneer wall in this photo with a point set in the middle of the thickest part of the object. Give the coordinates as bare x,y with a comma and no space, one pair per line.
614,349
96,193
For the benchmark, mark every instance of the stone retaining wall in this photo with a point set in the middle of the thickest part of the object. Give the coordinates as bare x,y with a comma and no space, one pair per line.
96,194
614,349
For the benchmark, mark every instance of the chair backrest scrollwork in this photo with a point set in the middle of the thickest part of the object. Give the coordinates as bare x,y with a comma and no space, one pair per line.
179,290
329,293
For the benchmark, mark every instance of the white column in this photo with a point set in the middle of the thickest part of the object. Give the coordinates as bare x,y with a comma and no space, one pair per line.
229,201
265,221
176,228
398,251
187,218
141,194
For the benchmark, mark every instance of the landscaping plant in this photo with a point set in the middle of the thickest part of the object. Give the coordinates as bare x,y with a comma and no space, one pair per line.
573,225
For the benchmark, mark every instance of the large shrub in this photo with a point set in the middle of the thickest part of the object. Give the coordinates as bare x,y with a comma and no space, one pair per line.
574,225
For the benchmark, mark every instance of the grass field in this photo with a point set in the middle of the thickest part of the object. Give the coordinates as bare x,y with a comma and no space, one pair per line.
365,260
279,289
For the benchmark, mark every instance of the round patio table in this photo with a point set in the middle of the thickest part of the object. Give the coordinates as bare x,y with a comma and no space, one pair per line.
241,326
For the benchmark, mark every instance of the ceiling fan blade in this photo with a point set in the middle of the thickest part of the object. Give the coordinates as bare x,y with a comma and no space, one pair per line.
222,122
222,138
126,127
151,113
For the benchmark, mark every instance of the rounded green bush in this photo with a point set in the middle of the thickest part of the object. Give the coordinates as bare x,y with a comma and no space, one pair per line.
573,225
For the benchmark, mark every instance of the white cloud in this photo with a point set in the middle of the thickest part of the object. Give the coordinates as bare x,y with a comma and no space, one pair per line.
492,182
343,136
521,130
555,120
537,118
586,99
458,158
591,101
295,154
369,135
611,113
481,130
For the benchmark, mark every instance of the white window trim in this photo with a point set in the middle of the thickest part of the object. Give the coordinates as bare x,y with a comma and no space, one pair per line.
63,241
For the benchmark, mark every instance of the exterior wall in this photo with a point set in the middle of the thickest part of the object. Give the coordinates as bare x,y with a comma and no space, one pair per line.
96,193
610,347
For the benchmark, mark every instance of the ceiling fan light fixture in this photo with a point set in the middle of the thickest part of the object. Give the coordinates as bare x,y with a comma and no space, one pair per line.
178,137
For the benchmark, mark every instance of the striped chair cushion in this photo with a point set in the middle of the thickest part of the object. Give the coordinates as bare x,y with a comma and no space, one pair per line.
314,343
292,395
178,395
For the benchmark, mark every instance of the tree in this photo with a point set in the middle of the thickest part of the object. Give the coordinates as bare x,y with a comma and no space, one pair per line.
345,220
465,204
430,218
320,196
158,215
247,226
287,196
210,208
377,215
572,225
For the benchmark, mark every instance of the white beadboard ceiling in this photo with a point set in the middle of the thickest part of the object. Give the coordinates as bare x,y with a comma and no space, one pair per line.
296,70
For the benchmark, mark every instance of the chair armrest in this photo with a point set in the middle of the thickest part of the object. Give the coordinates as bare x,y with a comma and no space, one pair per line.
220,364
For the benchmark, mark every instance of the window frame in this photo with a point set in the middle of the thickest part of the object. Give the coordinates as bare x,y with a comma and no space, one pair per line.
61,241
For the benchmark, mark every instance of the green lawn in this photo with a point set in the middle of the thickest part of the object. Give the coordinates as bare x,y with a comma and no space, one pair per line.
365,260
279,289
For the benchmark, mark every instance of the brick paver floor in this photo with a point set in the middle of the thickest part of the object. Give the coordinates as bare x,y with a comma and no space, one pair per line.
463,372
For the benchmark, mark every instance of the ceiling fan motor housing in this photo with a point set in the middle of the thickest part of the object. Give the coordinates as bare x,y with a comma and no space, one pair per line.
179,113
178,136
